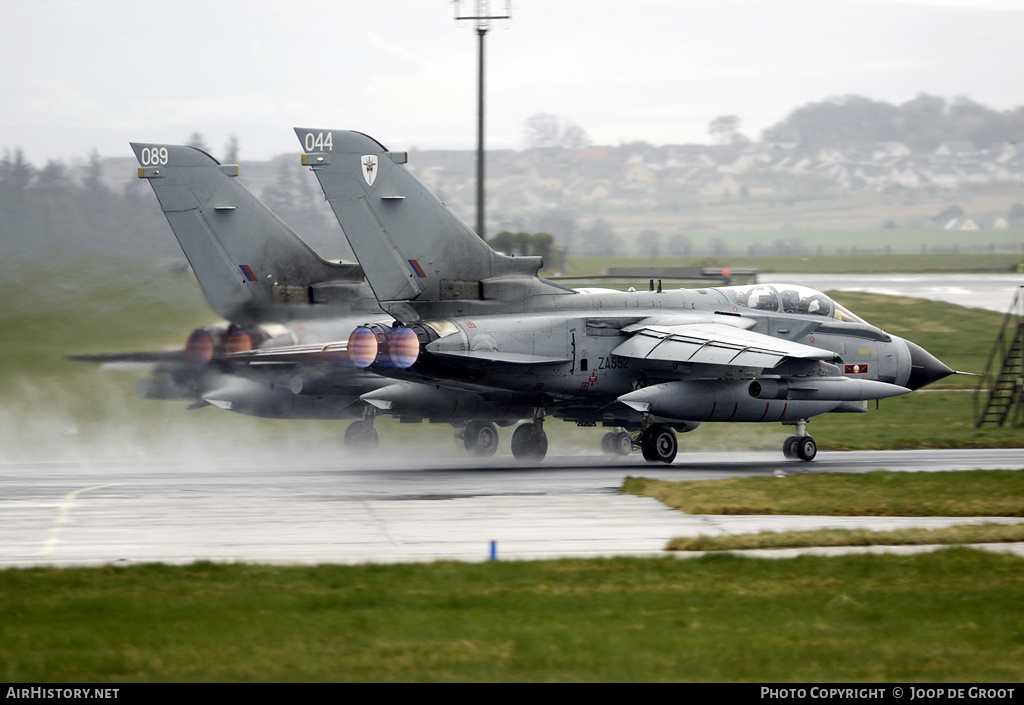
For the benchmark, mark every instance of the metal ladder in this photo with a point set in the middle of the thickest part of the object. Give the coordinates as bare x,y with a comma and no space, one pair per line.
1000,393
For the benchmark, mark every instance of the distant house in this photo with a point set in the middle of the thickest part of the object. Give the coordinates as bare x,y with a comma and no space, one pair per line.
740,163
1010,152
722,186
943,176
592,154
996,222
890,149
961,224
830,155
905,173
639,176
957,150
974,173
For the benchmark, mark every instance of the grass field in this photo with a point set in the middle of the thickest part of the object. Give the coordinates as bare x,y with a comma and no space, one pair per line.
966,534
951,616
878,263
998,493
946,494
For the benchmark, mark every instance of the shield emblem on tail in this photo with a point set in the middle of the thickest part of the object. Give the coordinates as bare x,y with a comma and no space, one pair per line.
369,168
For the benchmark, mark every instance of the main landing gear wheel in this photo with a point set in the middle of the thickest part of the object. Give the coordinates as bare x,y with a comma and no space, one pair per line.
803,447
658,444
606,443
361,436
530,443
481,438
623,444
806,448
617,443
789,447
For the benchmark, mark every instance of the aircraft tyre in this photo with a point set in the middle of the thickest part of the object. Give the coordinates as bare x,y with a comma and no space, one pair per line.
608,443
658,444
361,436
623,443
529,443
806,448
789,447
481,438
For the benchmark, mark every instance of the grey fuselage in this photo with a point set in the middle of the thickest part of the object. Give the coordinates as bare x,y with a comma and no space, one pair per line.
561,355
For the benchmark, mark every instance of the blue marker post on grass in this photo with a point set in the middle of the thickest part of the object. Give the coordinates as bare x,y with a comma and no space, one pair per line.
494,550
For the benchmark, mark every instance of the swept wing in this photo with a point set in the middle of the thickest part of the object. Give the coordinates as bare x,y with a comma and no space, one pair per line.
712,344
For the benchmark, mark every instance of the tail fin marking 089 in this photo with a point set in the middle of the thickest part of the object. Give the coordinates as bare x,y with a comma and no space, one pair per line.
250,265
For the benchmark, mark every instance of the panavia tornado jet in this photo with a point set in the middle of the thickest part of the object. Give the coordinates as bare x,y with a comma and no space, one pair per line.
643,364
283,305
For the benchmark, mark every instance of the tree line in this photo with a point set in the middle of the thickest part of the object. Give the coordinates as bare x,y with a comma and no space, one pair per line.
923,123
66,210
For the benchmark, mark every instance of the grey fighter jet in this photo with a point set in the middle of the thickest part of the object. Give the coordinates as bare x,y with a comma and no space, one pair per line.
281,301
645,364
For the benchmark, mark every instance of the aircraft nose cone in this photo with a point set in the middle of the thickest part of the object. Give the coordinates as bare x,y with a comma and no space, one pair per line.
925,368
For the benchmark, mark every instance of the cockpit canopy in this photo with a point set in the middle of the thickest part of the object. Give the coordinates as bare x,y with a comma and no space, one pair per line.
788,298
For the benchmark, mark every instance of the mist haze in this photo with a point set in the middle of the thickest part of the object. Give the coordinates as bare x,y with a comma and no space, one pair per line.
98,73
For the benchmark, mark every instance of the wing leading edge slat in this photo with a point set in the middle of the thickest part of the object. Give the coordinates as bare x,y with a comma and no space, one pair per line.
713,344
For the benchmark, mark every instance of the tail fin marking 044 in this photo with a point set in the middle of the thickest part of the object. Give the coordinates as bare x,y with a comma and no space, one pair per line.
413,249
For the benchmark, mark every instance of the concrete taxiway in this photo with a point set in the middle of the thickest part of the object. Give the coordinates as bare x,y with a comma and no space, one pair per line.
316,510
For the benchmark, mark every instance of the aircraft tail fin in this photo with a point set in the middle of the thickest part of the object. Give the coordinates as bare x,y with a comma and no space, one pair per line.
419,258
250,265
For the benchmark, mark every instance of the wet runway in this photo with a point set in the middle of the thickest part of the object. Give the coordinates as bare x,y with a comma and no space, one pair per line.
319,511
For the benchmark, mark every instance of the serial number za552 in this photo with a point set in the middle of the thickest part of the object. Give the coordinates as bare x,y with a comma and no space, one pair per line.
612,363
319,142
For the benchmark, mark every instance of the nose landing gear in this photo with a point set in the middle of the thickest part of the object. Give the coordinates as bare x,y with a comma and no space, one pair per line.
801,445
361,436
617,443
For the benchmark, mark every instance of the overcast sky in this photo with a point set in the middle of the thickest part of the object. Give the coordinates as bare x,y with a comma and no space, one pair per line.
84,74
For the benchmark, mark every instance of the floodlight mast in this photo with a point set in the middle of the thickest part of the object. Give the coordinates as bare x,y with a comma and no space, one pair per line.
482,17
